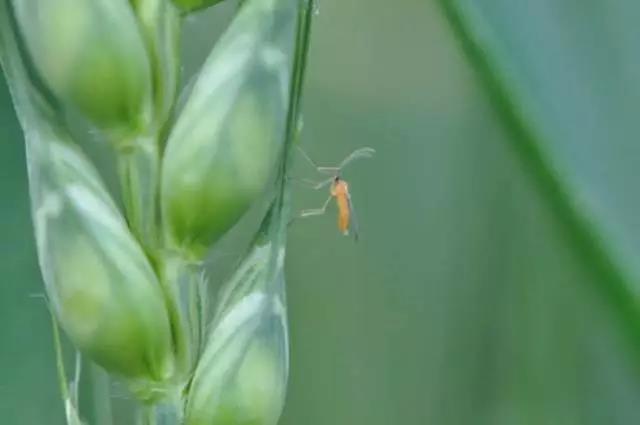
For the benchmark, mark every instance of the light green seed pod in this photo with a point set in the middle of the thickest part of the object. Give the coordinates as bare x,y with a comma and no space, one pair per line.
92,56
242,376
226,140
99,282
191,5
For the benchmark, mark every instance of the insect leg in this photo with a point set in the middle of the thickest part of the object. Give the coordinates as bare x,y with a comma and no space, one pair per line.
316,211
314,184
324,170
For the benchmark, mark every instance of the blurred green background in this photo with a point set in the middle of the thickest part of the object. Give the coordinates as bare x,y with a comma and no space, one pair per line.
496,275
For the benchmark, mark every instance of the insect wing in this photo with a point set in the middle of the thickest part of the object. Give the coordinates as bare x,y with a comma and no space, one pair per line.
357,154
353,222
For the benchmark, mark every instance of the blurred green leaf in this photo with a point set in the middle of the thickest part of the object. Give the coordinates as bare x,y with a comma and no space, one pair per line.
564,118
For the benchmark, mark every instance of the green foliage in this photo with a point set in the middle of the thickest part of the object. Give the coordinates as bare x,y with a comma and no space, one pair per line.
242,376
226,141
125,297
92,56
522,112
192,5
99,282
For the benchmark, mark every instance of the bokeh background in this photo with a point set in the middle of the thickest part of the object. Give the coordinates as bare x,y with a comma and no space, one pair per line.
495,277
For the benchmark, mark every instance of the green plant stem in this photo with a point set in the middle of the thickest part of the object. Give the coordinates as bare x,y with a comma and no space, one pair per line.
62,374
161,26
197,306
278,216
305,20
203,306
69,396
616,278
174,274
189,276
169,411
100,383
147,415
303,38
139,170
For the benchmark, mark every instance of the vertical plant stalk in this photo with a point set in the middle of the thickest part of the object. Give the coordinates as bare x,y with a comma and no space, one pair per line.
139,172
168,412
616,278
197,307
61,371
146,415
280,209
69,393
175,279
139,169
101,386
139,158
294,115
182,284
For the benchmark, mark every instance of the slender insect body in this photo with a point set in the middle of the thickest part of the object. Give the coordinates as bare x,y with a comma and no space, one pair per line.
340,191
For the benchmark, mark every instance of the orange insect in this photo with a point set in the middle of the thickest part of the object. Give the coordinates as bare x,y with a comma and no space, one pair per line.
339,190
